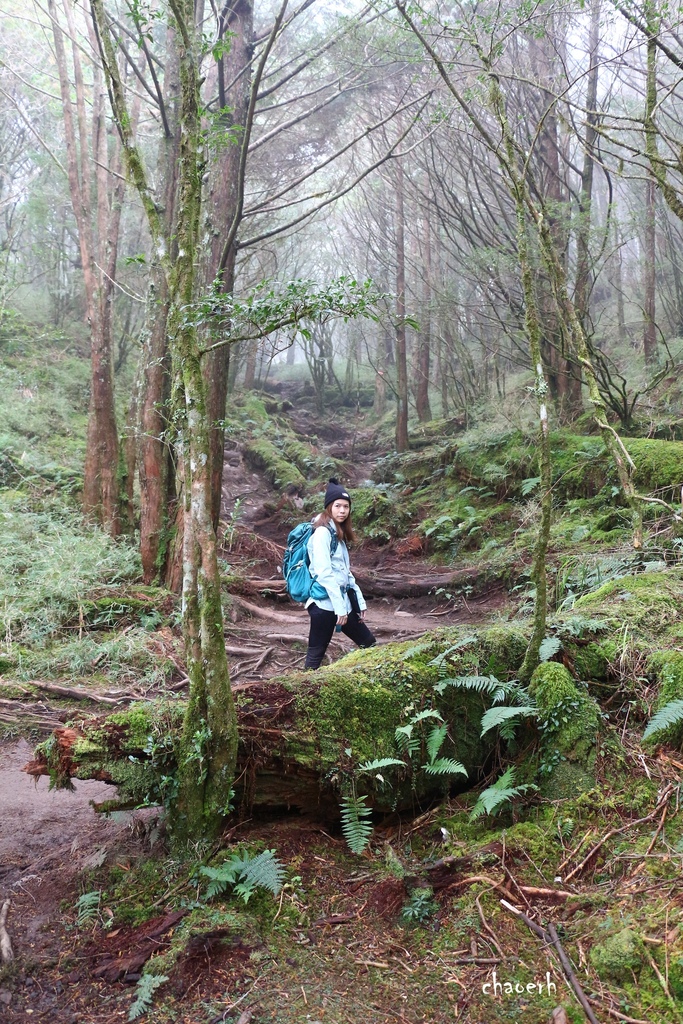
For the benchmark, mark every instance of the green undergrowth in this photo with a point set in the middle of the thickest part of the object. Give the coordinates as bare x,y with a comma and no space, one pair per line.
50,563
70,604
479,493
44,393
391,904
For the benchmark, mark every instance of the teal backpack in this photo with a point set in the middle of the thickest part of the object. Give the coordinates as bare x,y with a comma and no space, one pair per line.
296,568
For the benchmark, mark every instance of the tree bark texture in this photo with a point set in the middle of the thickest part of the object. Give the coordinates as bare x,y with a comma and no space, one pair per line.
155,465
424,412
98,239
650,227
222,203
401,347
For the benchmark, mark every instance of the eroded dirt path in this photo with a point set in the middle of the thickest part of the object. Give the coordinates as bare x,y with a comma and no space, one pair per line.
400,585
48,840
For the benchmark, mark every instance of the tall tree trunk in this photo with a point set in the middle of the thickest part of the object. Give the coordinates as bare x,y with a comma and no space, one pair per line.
222,206
100,477
401,349
250,365
380,403
650,231
160,538
208,746
583,282
424,412
564,386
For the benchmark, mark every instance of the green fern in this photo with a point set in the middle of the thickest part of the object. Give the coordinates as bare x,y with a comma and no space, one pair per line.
579,625
87,907
435,739
465,642
501,792
246,873
480,684
549,648
498,716
406,740
413,651
381,762
144,994
671,714
356,824
444,766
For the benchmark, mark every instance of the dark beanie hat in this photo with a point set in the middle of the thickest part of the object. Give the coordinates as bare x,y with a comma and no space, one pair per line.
334,492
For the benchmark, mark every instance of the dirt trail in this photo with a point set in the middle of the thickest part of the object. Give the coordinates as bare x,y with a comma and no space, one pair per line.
400,588
48,838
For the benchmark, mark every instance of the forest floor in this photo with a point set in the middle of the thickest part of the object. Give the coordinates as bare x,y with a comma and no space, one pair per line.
349,939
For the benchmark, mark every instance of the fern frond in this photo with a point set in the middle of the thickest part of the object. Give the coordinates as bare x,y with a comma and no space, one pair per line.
444,766
264,871
670,714
220,878
87,907
481,684
415,650
497,716
356,824
381,762
435,739
246,872
500,792
422,716
144,994
549,647
440,658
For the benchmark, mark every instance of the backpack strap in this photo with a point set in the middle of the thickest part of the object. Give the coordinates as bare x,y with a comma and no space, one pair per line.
334,540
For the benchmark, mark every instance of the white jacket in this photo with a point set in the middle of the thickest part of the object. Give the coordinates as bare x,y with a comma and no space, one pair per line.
332,572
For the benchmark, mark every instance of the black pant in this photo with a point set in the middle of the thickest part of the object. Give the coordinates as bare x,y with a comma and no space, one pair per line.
322,628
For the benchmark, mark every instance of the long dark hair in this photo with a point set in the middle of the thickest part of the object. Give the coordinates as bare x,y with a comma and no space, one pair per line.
344,531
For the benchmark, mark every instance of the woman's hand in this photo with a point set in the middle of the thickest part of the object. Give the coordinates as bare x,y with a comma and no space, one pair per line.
342,620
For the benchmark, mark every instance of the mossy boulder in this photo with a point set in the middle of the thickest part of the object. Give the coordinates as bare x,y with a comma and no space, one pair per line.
648,604
619,957
570,718
260,453
592,660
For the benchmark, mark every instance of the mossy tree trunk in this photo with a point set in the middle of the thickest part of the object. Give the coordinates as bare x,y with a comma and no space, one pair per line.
207,747
517,187
155,469
650,240
401,354
223,206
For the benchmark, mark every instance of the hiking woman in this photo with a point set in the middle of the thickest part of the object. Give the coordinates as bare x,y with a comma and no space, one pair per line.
336,599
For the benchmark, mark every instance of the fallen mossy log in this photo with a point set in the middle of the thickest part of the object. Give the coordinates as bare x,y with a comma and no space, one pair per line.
304,737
